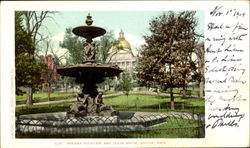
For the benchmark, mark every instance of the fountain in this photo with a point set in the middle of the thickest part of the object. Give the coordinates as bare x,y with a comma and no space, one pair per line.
89,73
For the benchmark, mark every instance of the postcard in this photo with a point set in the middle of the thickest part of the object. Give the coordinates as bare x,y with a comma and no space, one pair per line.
124,74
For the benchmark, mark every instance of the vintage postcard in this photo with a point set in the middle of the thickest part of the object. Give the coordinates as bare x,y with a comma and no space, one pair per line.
124,74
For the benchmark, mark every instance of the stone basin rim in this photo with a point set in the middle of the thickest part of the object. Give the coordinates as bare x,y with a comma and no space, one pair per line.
90,65
62,115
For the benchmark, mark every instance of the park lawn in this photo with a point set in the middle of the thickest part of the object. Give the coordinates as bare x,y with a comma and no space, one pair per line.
108,92
155,103
133,102
173,128
46,108
175,91
178,91
43,97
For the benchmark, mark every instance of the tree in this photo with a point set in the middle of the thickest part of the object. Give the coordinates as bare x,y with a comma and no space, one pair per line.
186,66
126,83
49,74
28,68
74,45
34,22
200,53
103,46
165,59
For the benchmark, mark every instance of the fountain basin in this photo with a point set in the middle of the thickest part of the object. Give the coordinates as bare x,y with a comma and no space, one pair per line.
58,123
89,31
86,73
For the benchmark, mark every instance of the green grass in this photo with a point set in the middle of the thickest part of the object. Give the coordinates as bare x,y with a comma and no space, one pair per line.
154,103
143,88
178,91
47,108
134,102
173,128
43,97
109,92
175,91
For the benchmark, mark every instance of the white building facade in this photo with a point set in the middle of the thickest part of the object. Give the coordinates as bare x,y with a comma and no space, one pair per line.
121,54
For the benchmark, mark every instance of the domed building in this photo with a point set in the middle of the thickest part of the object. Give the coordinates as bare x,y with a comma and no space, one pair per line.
121,54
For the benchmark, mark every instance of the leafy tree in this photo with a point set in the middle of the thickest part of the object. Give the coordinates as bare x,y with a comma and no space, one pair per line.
126,83
74,45
28,68
165,59
33,22
103,45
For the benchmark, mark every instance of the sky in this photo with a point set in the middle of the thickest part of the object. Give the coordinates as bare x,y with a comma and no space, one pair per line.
134,24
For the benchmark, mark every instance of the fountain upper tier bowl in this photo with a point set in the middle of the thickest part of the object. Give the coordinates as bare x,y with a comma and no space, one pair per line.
89,32
93,73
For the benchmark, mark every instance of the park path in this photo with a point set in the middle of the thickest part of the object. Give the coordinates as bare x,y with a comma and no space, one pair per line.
109,95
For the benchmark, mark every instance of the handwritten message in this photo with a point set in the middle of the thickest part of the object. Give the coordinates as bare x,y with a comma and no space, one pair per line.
225,68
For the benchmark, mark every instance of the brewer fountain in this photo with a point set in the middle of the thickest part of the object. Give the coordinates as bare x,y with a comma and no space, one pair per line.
89,73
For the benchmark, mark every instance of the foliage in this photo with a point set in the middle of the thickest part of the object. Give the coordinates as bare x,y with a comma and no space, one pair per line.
28,68
103,45
126,83
166,58
169,47
74,45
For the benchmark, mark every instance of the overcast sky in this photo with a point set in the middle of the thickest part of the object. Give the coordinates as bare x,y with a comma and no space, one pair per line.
134,24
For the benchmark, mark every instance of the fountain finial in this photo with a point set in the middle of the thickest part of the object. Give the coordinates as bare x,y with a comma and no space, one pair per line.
89,20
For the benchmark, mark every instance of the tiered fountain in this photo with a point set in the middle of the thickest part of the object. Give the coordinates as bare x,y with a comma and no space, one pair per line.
89,73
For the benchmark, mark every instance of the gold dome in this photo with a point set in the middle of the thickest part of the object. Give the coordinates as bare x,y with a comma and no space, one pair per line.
121,43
